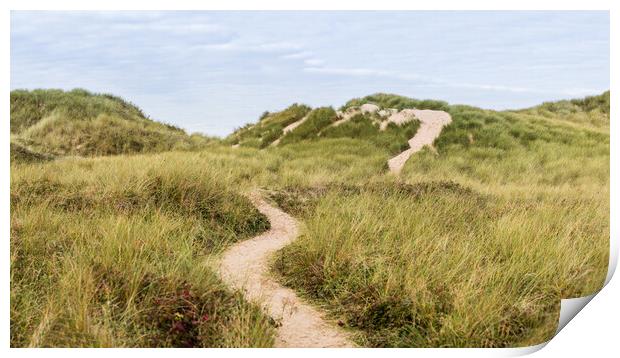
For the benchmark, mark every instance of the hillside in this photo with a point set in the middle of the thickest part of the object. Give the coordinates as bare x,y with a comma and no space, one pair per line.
473,126
510,192
471,244
50,123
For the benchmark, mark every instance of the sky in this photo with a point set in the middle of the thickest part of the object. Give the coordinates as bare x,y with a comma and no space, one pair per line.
214,71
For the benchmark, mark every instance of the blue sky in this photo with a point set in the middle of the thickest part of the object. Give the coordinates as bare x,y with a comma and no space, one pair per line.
211,72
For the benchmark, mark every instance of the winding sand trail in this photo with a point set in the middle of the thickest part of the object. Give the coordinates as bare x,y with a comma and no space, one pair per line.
245,266
289,128
431,124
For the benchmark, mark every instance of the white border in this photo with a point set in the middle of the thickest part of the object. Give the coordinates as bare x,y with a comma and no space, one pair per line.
594,329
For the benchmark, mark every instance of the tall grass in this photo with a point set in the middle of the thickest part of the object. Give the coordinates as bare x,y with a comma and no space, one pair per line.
438,264
517,218
394,138
386,100
109,252
78,122
473,245
317,119
269,127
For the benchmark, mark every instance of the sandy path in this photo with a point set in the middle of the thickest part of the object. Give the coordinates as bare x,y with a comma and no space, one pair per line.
289,128
351,112
343,118
431,124
398,118
245,266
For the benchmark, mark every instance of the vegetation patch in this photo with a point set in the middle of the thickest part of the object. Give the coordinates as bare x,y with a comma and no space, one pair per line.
434,265
472,246
269,127
386,100
301,201
22,154
317,119
363,126
111,253
77,122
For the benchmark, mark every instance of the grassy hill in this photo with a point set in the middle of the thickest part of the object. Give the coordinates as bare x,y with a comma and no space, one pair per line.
110,251
57,123
269,127
471,246
475,245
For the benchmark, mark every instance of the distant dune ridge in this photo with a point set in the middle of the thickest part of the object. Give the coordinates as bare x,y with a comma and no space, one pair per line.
57,123
50,123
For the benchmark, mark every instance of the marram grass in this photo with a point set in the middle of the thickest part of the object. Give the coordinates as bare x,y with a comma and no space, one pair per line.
472,246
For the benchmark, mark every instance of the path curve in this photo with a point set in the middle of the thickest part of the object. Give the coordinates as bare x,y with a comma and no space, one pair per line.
290,128
245,266
431,124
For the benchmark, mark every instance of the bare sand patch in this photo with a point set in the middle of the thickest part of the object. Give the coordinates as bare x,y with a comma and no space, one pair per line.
245,266
289,128
431,124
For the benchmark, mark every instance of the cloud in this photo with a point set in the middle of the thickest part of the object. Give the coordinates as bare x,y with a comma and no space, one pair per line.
277,46
197,55
361,72
517,89
313,62
267,47
297,55
437,82
175,28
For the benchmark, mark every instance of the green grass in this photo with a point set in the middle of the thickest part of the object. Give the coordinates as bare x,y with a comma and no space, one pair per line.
317,120
481,261
361,126
386,100
78,122
269,127
473,246
108,252
436,264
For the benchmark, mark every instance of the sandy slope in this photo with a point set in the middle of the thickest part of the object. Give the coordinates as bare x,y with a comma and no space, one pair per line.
351,112
398,118
289,128
431,124
245,266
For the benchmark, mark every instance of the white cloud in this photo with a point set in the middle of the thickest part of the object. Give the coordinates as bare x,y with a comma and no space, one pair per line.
345,71
298,55
176,28
250,47
313,62
435,82
517,89
361,72
277,46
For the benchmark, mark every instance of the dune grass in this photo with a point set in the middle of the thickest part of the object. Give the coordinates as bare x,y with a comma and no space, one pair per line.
437,264
108,252
318,119
387,100
22,154
78,122
362,126
268,128
473,245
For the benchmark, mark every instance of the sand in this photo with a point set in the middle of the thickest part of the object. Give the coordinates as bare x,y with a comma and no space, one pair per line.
289,128
431,124
245,266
